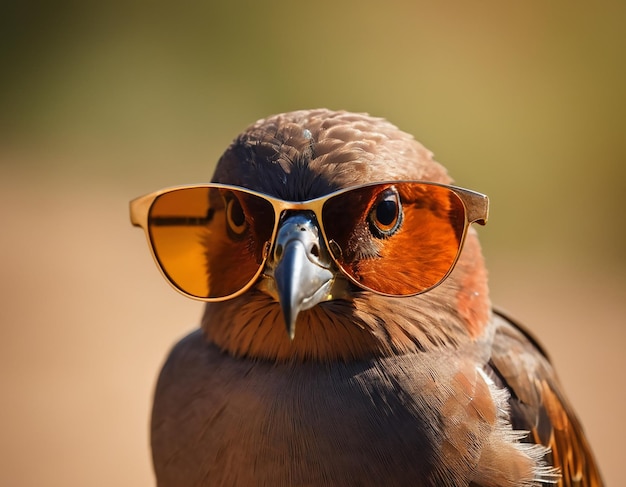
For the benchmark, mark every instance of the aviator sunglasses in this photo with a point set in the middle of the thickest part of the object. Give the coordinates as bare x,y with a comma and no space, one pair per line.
397,238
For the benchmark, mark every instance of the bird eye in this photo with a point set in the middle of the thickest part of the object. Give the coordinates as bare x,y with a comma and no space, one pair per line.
386,215
235,217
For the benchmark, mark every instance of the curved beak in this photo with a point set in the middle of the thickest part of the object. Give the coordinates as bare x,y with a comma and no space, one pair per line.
301,267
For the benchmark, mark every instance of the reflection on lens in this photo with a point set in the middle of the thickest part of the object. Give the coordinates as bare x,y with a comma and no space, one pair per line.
205,250
416,256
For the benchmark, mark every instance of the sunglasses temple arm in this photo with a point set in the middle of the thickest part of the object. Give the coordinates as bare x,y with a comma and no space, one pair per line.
478,210
139,208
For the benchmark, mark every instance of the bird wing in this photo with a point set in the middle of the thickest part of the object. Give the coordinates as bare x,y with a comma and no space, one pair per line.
538,404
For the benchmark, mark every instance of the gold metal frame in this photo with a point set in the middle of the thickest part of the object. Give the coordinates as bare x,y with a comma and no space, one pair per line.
476,211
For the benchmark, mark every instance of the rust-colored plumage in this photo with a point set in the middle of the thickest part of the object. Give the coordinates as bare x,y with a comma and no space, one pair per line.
435,389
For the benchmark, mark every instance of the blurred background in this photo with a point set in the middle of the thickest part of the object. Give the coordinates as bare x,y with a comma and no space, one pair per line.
104,101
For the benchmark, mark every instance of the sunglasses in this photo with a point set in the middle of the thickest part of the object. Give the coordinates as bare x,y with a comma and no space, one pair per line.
397,238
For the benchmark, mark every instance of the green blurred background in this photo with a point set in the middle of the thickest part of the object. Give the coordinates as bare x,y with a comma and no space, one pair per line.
101,102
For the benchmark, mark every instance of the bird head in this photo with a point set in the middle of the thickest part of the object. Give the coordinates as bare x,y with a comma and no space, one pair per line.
301,306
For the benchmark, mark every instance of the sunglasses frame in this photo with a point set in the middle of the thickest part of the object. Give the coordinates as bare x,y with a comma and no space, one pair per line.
476,207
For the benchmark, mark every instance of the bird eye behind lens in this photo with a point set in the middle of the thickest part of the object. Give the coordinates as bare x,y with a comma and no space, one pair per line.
235,216
385,216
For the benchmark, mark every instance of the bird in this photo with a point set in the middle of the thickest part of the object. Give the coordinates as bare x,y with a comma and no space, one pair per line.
327,353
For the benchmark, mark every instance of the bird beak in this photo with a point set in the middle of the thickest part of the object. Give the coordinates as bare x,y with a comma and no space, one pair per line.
301,267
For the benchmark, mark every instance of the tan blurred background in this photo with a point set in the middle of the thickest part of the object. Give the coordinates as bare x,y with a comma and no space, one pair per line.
99,103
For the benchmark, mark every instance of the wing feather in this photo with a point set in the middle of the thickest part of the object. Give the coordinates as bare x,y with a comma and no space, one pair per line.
538,404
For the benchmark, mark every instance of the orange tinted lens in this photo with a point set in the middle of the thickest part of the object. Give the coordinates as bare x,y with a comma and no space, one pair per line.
406,238
209,241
